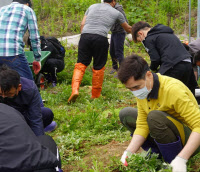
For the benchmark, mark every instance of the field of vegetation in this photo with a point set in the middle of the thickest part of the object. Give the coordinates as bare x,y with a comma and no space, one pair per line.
89,134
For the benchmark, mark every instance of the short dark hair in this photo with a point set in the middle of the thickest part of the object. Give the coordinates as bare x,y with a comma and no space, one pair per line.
24,2
197,57
109,1
138,26
132,66
8,78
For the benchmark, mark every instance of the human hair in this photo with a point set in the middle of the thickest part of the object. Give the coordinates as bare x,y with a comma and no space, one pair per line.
132,66
24,2
109,1
197,57
8,78
137,27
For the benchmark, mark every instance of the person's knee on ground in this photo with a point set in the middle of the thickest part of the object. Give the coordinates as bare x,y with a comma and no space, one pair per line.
128,117
97,82
165,134
47,117
79,71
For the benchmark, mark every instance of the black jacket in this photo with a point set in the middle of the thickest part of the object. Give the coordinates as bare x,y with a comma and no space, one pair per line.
117,28
164,48
20,150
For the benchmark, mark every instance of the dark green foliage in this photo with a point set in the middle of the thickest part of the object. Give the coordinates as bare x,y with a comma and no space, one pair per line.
146,162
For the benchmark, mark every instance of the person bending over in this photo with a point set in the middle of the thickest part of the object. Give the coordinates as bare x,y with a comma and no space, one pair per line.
167,118
23,95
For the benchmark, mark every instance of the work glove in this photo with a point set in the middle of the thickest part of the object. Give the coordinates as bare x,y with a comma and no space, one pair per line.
125,155
179,164
36,66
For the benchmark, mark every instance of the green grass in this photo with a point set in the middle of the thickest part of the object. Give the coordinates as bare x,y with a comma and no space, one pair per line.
63,17
89,132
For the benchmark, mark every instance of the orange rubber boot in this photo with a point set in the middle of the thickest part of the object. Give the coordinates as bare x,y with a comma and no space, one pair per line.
97,82
79,71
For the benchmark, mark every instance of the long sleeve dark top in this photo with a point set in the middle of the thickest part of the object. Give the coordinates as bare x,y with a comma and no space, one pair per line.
20,149
164,48
117,28
28,103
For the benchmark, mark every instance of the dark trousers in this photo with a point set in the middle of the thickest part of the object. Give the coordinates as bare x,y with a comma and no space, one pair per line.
184,72
47,116
93,45
52,67
48,142
117,48
161,128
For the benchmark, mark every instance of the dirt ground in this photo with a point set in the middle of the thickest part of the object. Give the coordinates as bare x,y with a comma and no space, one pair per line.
103,153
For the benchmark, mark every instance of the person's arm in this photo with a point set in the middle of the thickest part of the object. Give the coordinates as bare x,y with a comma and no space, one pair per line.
83,22
153,53
34,35
192,144
179,162
140,134
35,40
126,27
136,142
186,110
35,114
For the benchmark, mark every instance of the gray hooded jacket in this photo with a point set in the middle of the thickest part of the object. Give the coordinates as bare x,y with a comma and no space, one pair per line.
117,27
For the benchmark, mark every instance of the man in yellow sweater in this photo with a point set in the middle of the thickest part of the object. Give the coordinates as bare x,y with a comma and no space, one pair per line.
167,118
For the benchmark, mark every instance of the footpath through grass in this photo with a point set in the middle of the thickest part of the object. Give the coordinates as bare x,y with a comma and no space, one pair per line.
89,134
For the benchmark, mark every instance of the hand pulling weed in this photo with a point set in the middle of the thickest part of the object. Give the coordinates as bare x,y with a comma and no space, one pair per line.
146,162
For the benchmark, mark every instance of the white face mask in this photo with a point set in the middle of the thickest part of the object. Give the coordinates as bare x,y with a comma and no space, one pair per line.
142,93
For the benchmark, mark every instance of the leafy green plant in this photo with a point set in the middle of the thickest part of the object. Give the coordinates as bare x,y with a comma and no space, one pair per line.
146,162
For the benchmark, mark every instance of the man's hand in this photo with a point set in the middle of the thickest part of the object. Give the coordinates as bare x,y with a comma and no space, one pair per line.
125,155
179,165
36,67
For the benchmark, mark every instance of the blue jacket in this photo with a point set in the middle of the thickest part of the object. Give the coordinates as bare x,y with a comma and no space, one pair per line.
28,103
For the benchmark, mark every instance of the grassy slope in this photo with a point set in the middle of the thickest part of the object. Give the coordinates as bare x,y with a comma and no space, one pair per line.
89,134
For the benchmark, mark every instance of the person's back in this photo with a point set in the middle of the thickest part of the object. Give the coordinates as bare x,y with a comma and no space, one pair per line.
100,18
20,149
169,47
14,23
15,20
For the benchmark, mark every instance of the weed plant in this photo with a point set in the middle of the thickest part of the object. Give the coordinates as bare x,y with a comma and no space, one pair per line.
146,162
85,127
63,17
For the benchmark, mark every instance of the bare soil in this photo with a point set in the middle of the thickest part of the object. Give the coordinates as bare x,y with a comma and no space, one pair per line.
103,153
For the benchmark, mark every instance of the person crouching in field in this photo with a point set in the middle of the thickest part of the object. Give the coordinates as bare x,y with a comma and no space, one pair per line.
167,54
167,118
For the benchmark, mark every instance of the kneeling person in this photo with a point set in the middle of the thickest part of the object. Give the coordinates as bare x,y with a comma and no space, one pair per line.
167,119
21,150
23,95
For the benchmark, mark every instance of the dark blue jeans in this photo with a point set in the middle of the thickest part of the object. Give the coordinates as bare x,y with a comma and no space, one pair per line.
18,63
117,48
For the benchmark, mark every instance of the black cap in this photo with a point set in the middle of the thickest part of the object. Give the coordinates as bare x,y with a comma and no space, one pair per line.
24,2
